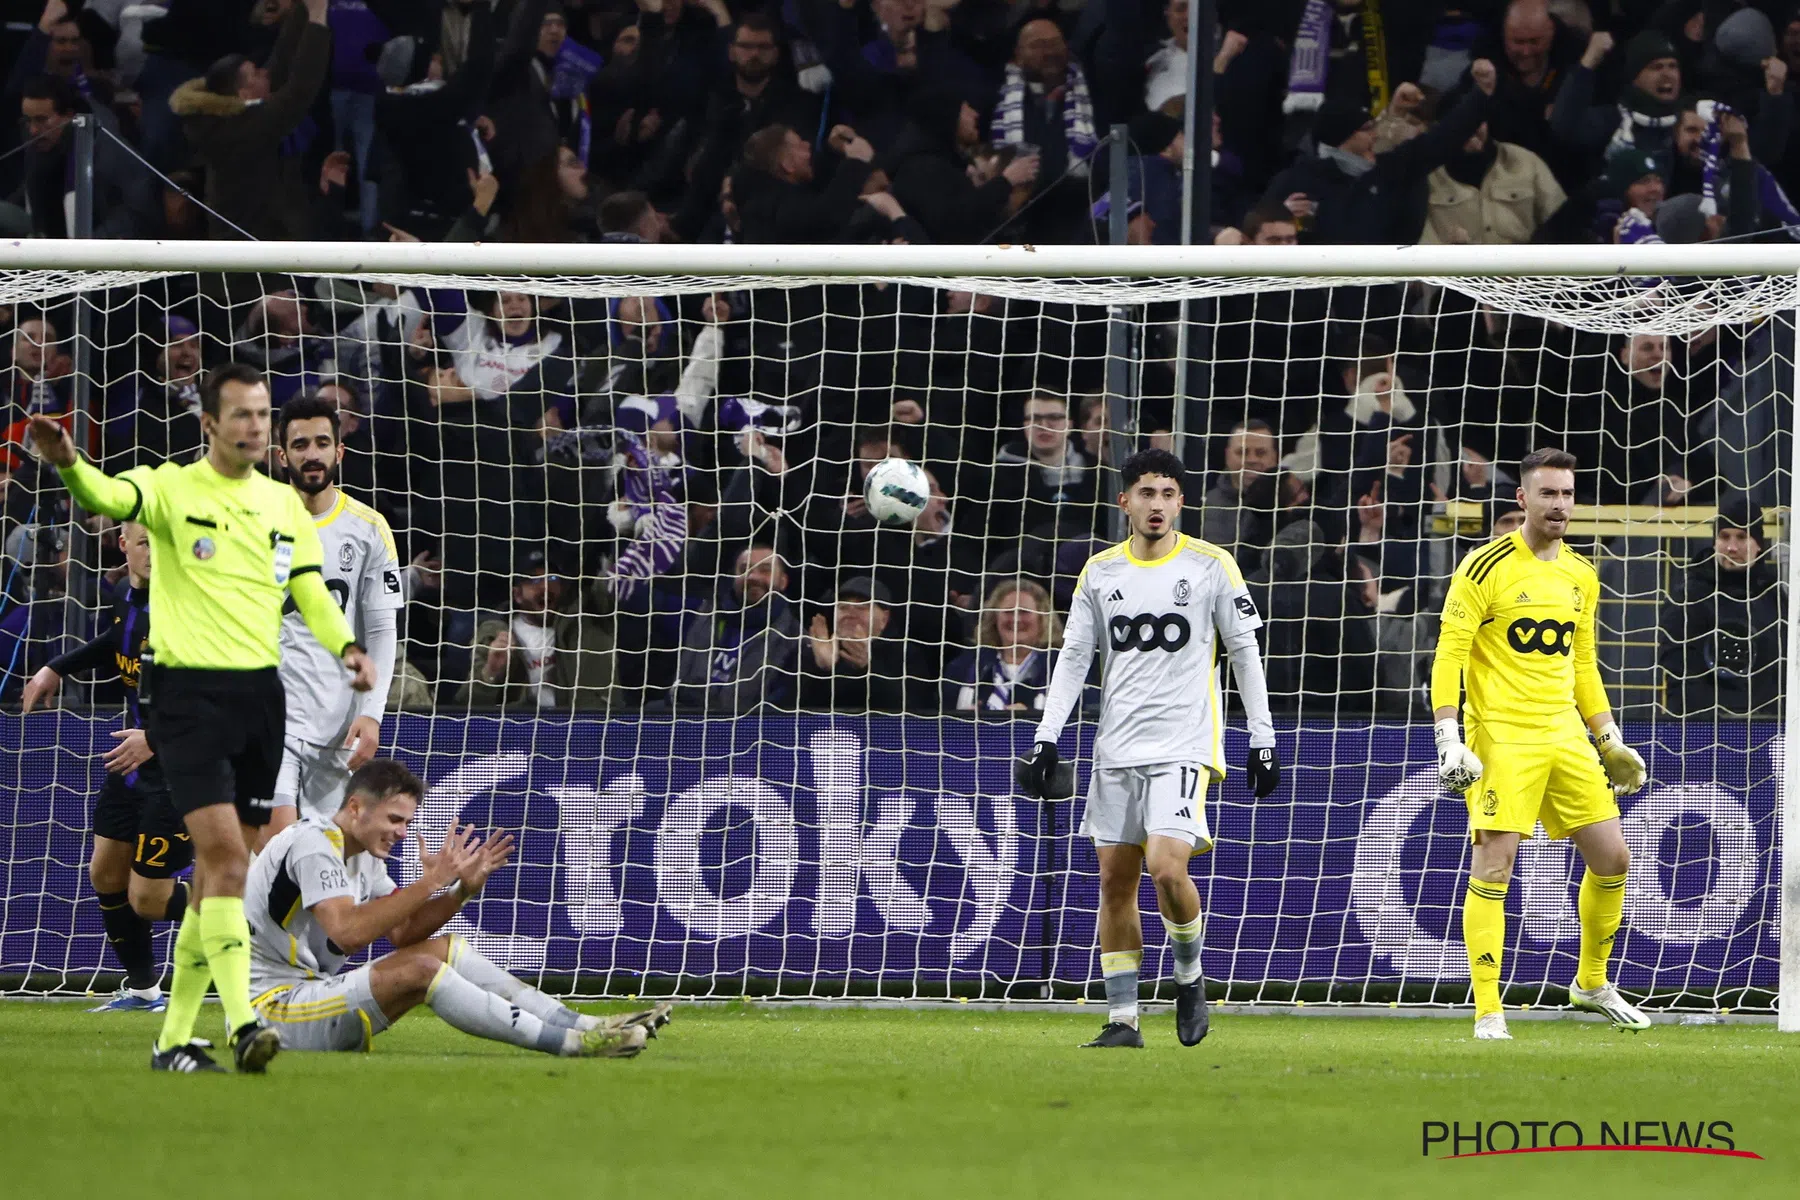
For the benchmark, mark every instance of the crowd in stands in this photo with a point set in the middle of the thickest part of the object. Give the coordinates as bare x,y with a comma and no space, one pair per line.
655,501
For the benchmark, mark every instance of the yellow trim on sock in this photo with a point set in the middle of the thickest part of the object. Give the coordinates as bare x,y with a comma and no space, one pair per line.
1186,931
458,944
1119,962
431,991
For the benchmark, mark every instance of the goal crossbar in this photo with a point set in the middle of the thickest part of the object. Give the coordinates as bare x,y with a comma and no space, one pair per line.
1711,260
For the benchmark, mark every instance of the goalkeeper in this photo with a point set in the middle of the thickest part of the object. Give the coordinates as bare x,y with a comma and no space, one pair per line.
1518,635
230,546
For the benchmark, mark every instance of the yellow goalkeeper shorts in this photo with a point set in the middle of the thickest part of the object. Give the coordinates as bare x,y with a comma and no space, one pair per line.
1558,783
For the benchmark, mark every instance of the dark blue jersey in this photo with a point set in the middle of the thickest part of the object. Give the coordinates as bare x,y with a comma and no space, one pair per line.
118,648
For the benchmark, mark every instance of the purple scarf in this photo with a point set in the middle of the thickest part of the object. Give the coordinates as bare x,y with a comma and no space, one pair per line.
1769,193
1311,59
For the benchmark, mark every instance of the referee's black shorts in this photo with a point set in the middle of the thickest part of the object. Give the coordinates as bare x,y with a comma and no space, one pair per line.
218,735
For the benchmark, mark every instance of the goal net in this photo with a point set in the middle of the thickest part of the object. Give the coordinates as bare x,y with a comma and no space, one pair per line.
755,743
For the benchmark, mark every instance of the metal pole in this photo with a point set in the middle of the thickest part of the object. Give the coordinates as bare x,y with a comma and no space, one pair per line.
1118,353
1787,1004
83,564
84,229
1119,186
1196,192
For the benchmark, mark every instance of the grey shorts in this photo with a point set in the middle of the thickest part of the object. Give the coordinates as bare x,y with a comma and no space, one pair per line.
1125,805
312,778
339,1013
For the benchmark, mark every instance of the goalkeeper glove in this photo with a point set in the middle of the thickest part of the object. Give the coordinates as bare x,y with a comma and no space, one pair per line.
1262,770
1624,766
1038,770
1458,768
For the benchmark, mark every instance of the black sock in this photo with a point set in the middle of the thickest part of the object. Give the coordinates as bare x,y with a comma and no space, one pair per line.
129,935
178,902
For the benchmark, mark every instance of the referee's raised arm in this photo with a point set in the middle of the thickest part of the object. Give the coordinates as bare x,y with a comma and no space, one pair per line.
92,488
230,545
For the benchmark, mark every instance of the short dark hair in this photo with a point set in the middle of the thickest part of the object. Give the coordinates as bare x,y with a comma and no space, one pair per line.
222,76
53,88
219,376
1546,456
382,778
621,210
310,407
757,22
763,148
1266,214
1150,462
1253,425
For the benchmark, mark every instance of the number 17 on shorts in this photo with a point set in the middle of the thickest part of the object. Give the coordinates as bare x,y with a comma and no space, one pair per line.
1126,805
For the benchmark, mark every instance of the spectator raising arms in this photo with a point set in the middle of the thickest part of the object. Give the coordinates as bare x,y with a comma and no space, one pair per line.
1358,196
249,125
772,189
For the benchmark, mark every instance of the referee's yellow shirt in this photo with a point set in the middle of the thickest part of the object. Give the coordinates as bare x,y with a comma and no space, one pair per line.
227,553
1518,634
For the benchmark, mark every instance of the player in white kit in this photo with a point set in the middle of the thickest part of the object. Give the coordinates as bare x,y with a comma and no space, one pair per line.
320,891
330,731
1160,608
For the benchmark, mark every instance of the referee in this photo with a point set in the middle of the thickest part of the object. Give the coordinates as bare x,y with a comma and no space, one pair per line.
230,545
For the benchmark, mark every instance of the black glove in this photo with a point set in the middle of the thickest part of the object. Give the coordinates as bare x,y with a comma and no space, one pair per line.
1263,770
1037,770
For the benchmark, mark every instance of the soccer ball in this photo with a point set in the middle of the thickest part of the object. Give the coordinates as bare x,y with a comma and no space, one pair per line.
896,491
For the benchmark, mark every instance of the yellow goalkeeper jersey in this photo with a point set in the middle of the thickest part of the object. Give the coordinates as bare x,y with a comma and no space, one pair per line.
1518,636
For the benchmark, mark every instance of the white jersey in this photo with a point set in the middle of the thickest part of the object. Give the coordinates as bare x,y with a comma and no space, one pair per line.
362,571
1157,626
301,866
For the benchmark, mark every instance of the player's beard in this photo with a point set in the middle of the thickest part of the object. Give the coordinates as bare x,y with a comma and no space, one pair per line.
1156,535
298,479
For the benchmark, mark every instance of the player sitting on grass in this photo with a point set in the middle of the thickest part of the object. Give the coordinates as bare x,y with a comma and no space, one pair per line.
1518,638
1161,608
320,892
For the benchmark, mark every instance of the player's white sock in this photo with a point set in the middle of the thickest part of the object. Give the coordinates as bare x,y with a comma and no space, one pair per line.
472,1010
1184,943
485,974
1120,970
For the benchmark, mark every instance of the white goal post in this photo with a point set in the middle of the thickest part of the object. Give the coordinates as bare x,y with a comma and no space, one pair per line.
813,849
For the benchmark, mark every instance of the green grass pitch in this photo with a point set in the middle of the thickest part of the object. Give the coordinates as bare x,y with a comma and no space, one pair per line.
769,1100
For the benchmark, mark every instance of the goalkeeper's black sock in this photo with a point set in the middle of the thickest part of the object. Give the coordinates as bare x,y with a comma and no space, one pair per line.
129,936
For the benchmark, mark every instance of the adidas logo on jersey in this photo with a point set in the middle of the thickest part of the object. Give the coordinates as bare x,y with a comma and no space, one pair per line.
1185,813
1524,599
1117,595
